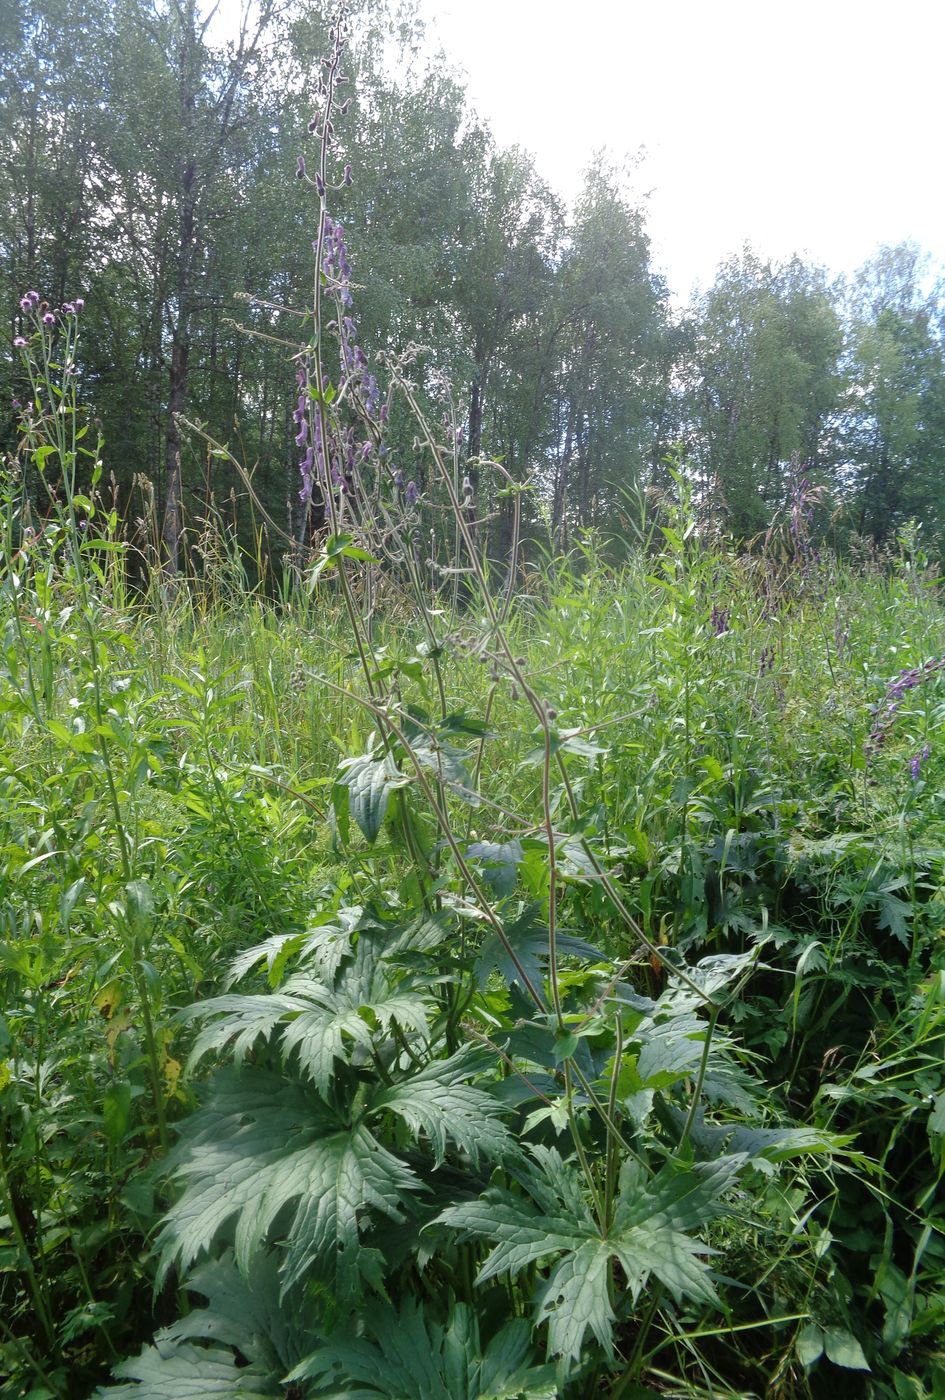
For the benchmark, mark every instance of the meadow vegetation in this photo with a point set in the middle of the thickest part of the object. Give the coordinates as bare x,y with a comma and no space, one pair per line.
427,974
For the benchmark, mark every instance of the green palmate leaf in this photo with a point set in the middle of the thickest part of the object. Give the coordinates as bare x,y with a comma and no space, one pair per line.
323,1023
405,1357
244,1314
262,1151
328,944
650,1237
440,1103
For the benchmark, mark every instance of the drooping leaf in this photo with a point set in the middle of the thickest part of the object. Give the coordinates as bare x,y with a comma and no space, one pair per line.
370,781
176,1372
809,1344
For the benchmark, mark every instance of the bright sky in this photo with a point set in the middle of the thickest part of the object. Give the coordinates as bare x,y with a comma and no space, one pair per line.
813,126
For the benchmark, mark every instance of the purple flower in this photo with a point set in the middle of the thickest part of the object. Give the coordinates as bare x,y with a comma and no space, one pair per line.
720,619
300,172
25,304
305,467
68,308
79,304
411,495
19,343
48,318
32,298
885,714
915,767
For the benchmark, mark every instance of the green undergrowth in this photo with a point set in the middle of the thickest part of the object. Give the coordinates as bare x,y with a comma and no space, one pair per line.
630,1084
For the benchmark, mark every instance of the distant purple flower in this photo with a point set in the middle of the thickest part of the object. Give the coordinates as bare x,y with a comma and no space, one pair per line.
48,318
19,343
885,713
25,304
915,767
68,308
411,495
720,619
32,298
80,304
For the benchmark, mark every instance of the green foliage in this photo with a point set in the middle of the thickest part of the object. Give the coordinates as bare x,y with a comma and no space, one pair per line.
469,994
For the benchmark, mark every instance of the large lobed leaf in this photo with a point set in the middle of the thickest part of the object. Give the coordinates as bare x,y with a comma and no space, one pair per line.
406,1357
649,1237
440,1102
261,1147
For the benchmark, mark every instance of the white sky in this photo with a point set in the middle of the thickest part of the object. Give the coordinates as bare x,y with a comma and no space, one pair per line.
802,126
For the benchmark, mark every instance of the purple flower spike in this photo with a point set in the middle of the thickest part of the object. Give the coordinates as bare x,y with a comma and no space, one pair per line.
305,467
411,495
915,767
